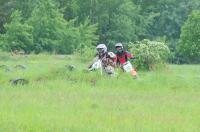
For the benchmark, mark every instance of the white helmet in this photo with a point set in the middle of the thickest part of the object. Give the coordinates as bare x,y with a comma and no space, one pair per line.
101,48
118,45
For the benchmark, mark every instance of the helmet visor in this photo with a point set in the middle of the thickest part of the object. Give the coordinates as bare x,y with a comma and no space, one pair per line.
100,50
118,48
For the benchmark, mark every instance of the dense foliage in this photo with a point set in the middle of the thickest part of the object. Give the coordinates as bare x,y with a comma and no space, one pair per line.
63,26
189,45
149,54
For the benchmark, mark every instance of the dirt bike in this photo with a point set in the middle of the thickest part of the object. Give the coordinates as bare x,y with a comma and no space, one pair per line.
96,65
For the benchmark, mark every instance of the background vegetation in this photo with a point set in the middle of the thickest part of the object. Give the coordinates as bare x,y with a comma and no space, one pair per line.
64,26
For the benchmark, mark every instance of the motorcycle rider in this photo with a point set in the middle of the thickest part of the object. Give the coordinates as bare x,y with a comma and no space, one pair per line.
122,58
104,59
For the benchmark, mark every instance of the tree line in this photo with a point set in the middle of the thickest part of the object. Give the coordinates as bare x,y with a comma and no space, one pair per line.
64,26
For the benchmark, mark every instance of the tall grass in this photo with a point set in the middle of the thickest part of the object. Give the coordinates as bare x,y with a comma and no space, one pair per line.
57,99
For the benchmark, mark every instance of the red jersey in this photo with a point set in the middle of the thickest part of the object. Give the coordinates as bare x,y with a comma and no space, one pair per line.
122,59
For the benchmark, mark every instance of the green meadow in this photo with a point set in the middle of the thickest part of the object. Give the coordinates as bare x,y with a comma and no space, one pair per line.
57,99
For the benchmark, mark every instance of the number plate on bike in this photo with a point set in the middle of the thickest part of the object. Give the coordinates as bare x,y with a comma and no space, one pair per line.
127,67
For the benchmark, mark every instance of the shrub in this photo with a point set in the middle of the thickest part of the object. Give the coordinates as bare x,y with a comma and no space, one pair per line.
149,54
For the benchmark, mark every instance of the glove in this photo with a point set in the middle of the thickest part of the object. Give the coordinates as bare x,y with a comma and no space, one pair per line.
134,58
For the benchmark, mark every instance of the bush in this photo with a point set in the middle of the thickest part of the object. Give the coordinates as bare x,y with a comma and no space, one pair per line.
149,54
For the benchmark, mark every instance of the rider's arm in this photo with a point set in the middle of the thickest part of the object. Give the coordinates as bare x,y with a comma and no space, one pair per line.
129,55
115,61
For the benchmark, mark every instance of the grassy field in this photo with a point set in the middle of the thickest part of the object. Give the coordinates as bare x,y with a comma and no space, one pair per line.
57,99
